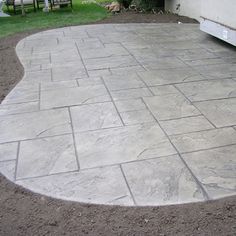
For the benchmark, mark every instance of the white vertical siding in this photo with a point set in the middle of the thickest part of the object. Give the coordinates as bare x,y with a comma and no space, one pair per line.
190,8
223,12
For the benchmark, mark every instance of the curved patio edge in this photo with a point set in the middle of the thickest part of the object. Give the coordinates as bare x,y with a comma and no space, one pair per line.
122,114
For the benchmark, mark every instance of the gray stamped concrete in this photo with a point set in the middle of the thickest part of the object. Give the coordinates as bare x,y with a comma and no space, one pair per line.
131,114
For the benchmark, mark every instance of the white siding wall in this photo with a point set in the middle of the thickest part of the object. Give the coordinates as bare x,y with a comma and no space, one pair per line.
223,12
190,8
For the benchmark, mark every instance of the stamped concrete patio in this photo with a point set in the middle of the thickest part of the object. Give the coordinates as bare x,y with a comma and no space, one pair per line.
135,114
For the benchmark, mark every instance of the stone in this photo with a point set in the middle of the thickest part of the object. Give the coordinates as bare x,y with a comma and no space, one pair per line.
46,156
119,145
161,181
130,105
130,93
173,76
21,96
220,112
8,151
68,73
137,117
114,7
186,125
58,85
206,61
204,139
129,81
170,106
94,116
162,63
7,168
74,96
109,62
10,109
196,54
109,50
126,70
207,90
215,169
220,71
99,72
164,90
100,185
89,81
39,76
34,125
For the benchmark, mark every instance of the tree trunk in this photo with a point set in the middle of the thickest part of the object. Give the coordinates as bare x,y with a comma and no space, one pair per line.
22,8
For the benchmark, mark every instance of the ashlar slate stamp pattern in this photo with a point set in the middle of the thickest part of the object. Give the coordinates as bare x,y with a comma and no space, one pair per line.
131,114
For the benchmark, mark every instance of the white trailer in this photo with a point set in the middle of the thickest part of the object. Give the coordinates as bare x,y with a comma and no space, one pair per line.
217,17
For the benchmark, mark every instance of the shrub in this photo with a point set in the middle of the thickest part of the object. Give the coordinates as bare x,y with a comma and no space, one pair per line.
148,5
125,3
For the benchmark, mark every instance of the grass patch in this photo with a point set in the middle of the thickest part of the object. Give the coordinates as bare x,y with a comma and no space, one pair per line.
105,1
80,14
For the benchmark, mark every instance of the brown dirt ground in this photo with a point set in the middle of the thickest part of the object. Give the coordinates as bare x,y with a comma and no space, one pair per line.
25,213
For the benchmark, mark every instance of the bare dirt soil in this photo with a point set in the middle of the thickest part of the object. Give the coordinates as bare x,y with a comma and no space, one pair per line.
25,213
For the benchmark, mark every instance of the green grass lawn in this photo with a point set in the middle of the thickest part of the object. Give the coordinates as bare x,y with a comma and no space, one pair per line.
80,14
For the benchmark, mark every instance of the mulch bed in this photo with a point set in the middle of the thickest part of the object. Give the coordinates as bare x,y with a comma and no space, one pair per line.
25,213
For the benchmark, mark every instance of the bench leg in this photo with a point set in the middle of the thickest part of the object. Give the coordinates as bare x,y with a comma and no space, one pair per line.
34,5
14,8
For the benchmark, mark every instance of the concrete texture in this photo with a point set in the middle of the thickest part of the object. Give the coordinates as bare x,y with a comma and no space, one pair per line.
133,114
